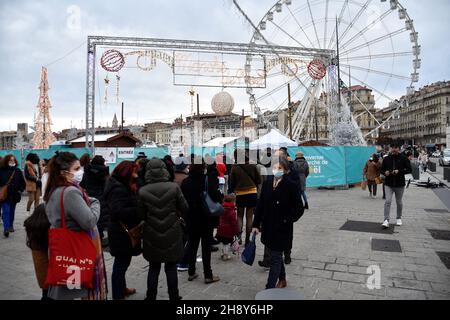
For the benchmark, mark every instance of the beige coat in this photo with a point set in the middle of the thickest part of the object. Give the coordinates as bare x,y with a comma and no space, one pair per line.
372,170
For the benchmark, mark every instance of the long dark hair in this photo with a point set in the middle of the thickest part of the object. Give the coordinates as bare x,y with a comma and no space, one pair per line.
36,227
6,159
60,162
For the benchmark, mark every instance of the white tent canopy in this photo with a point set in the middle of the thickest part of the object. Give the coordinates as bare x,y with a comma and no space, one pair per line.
274,140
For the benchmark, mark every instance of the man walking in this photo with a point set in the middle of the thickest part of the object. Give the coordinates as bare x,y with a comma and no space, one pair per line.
394,167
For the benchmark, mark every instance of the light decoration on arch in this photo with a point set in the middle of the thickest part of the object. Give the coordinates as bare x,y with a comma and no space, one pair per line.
112,60
317,69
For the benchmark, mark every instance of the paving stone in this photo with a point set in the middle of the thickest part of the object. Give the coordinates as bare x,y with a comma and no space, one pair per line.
405,294
437,296
362,288
316,273
356,269
411,284
441,287
432,277
337,267
349,277
313,264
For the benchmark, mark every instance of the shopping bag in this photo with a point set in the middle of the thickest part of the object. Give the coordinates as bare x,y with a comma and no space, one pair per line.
72,256
248,255
364,185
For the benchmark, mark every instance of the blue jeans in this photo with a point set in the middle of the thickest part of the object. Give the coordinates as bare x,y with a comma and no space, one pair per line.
277,271
9,211
118,281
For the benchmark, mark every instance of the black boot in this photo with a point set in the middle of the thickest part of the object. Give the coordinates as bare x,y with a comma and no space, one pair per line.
175,296
306,206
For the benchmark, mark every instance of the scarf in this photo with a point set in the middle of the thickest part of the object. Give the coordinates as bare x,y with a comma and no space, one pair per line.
100,288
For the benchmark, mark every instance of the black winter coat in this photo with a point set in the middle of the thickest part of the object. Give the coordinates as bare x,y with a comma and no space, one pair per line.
160,205
396,162
275,213
192,187
119,204
94,180
17,185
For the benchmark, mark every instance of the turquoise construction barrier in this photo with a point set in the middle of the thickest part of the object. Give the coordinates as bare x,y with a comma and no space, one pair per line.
329,166
334,166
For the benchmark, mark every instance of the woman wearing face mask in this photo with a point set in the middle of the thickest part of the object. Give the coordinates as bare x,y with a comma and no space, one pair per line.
119,202
12,177
277,210
81,215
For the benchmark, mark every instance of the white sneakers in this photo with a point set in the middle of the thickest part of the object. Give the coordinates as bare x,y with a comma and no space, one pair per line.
385,224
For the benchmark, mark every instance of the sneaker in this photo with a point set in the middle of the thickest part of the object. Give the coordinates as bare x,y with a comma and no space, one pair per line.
264,264
385,224
399,222
193,277
182,267
211,280
11,229
6,234
306,206
214,249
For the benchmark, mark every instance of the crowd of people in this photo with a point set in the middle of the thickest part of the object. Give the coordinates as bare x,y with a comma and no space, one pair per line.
156,208
161,209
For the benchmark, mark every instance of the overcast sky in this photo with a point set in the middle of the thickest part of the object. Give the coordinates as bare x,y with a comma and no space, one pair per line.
36,33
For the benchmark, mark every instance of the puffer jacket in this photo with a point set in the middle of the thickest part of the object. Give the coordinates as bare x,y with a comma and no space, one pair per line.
228,225
160,203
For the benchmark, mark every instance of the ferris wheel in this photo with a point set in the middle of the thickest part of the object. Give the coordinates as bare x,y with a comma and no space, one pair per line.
375,44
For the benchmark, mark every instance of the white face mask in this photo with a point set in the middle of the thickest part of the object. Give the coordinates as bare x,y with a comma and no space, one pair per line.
77,176
277,173
12,164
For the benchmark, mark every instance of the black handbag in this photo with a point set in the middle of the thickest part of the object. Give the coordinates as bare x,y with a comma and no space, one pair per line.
210,207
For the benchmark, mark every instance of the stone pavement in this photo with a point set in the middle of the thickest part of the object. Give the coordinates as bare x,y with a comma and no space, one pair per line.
328,263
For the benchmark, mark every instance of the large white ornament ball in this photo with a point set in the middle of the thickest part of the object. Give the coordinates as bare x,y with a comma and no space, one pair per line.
222,103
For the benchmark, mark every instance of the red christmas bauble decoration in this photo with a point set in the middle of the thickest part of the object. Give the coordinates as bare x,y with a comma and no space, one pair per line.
112,60
317,69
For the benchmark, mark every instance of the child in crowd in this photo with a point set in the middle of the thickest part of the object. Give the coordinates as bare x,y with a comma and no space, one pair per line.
228,226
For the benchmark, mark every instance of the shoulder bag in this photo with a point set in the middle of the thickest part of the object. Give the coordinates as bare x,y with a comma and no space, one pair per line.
4,189
72,256
135,234
210,207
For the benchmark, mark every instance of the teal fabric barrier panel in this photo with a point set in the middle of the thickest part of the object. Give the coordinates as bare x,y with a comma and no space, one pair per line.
49,153
326,165
356,158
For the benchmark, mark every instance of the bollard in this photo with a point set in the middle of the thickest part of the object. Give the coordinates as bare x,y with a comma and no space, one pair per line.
415,171
432,166
447,174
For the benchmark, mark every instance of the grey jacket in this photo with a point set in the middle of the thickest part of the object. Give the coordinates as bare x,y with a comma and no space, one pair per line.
303,171
79,216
